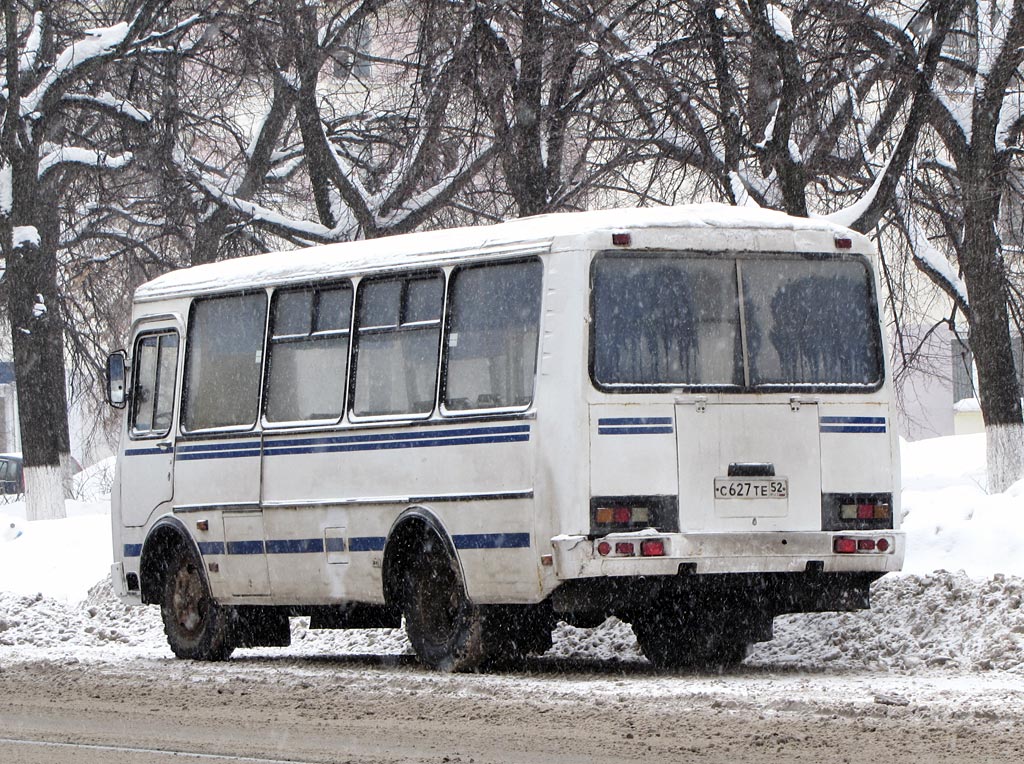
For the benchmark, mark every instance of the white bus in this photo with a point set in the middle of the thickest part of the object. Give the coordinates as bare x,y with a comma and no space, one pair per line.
681,417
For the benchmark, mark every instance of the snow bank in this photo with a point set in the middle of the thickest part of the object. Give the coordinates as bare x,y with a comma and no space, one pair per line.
941,622
58,558
950,520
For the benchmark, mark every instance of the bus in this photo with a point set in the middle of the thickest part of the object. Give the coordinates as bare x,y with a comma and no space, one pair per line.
682,417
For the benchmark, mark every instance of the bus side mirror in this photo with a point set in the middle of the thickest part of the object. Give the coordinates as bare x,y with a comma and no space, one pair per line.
117,379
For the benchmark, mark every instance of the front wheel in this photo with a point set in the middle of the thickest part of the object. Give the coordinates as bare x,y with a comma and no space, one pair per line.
197,628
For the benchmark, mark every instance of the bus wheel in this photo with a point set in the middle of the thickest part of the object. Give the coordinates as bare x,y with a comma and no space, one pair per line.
197,628
446,630
670,644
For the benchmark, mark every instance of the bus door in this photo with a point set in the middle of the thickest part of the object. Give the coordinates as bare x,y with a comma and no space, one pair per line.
753,467
217,458
147,468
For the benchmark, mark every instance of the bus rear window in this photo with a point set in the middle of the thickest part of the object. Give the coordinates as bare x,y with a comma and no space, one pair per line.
679,322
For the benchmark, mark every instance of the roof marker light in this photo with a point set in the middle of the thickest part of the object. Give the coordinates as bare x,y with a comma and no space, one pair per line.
622,239
844,243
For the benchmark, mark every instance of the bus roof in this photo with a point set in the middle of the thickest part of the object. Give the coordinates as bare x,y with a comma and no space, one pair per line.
717,222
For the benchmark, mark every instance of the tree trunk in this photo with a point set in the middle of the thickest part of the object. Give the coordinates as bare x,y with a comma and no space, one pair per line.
985,278
38,341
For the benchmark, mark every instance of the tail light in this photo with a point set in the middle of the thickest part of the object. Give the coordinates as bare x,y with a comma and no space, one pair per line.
851,545
652,548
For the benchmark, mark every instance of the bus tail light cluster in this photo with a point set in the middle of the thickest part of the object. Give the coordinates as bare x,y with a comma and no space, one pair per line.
647,548
865,511
851,545
615,514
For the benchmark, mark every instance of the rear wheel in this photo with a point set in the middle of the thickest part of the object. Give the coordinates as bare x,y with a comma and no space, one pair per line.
197,628
678,640
446,630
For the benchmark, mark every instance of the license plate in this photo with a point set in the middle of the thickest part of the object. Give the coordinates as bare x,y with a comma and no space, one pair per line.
752,488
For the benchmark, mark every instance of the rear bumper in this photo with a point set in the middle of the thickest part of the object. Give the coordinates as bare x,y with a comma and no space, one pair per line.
578,556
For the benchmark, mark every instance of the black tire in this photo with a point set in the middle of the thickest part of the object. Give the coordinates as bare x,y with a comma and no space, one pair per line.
197,628
675,642
446,630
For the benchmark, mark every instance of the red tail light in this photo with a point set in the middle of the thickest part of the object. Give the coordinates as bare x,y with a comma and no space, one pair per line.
842,545
652,548
625,548
604,548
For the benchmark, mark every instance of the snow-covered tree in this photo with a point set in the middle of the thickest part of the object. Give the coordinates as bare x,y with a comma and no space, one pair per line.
63,115
962,208
347,120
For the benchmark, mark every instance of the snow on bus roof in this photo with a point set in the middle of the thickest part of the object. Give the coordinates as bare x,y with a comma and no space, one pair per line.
524,235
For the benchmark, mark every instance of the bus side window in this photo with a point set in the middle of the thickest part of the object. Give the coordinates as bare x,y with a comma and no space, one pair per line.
156,365
494,321
307,358
397,343
222,362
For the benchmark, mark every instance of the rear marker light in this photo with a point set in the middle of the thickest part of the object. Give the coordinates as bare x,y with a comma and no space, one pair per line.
652,548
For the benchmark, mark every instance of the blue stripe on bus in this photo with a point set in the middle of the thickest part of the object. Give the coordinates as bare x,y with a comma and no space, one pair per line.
226,451
345,443
211,547
491,540
146,451
652,425
838,428
620,421
295,546
366,544
245,547
852,424
355,544
852,420
634,430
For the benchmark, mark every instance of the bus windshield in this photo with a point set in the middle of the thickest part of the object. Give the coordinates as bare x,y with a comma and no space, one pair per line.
743,322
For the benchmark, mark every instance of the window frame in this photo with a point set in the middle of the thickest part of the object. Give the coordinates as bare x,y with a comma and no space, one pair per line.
269,340
405,278
186,365
442,388
738,256
133,411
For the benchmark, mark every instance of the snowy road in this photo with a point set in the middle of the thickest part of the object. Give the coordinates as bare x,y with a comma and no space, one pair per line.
387,709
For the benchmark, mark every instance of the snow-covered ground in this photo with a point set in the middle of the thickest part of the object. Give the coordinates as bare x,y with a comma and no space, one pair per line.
956,606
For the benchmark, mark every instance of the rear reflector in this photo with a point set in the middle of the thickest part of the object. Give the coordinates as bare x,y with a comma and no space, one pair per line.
882,545
652,548
604,548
